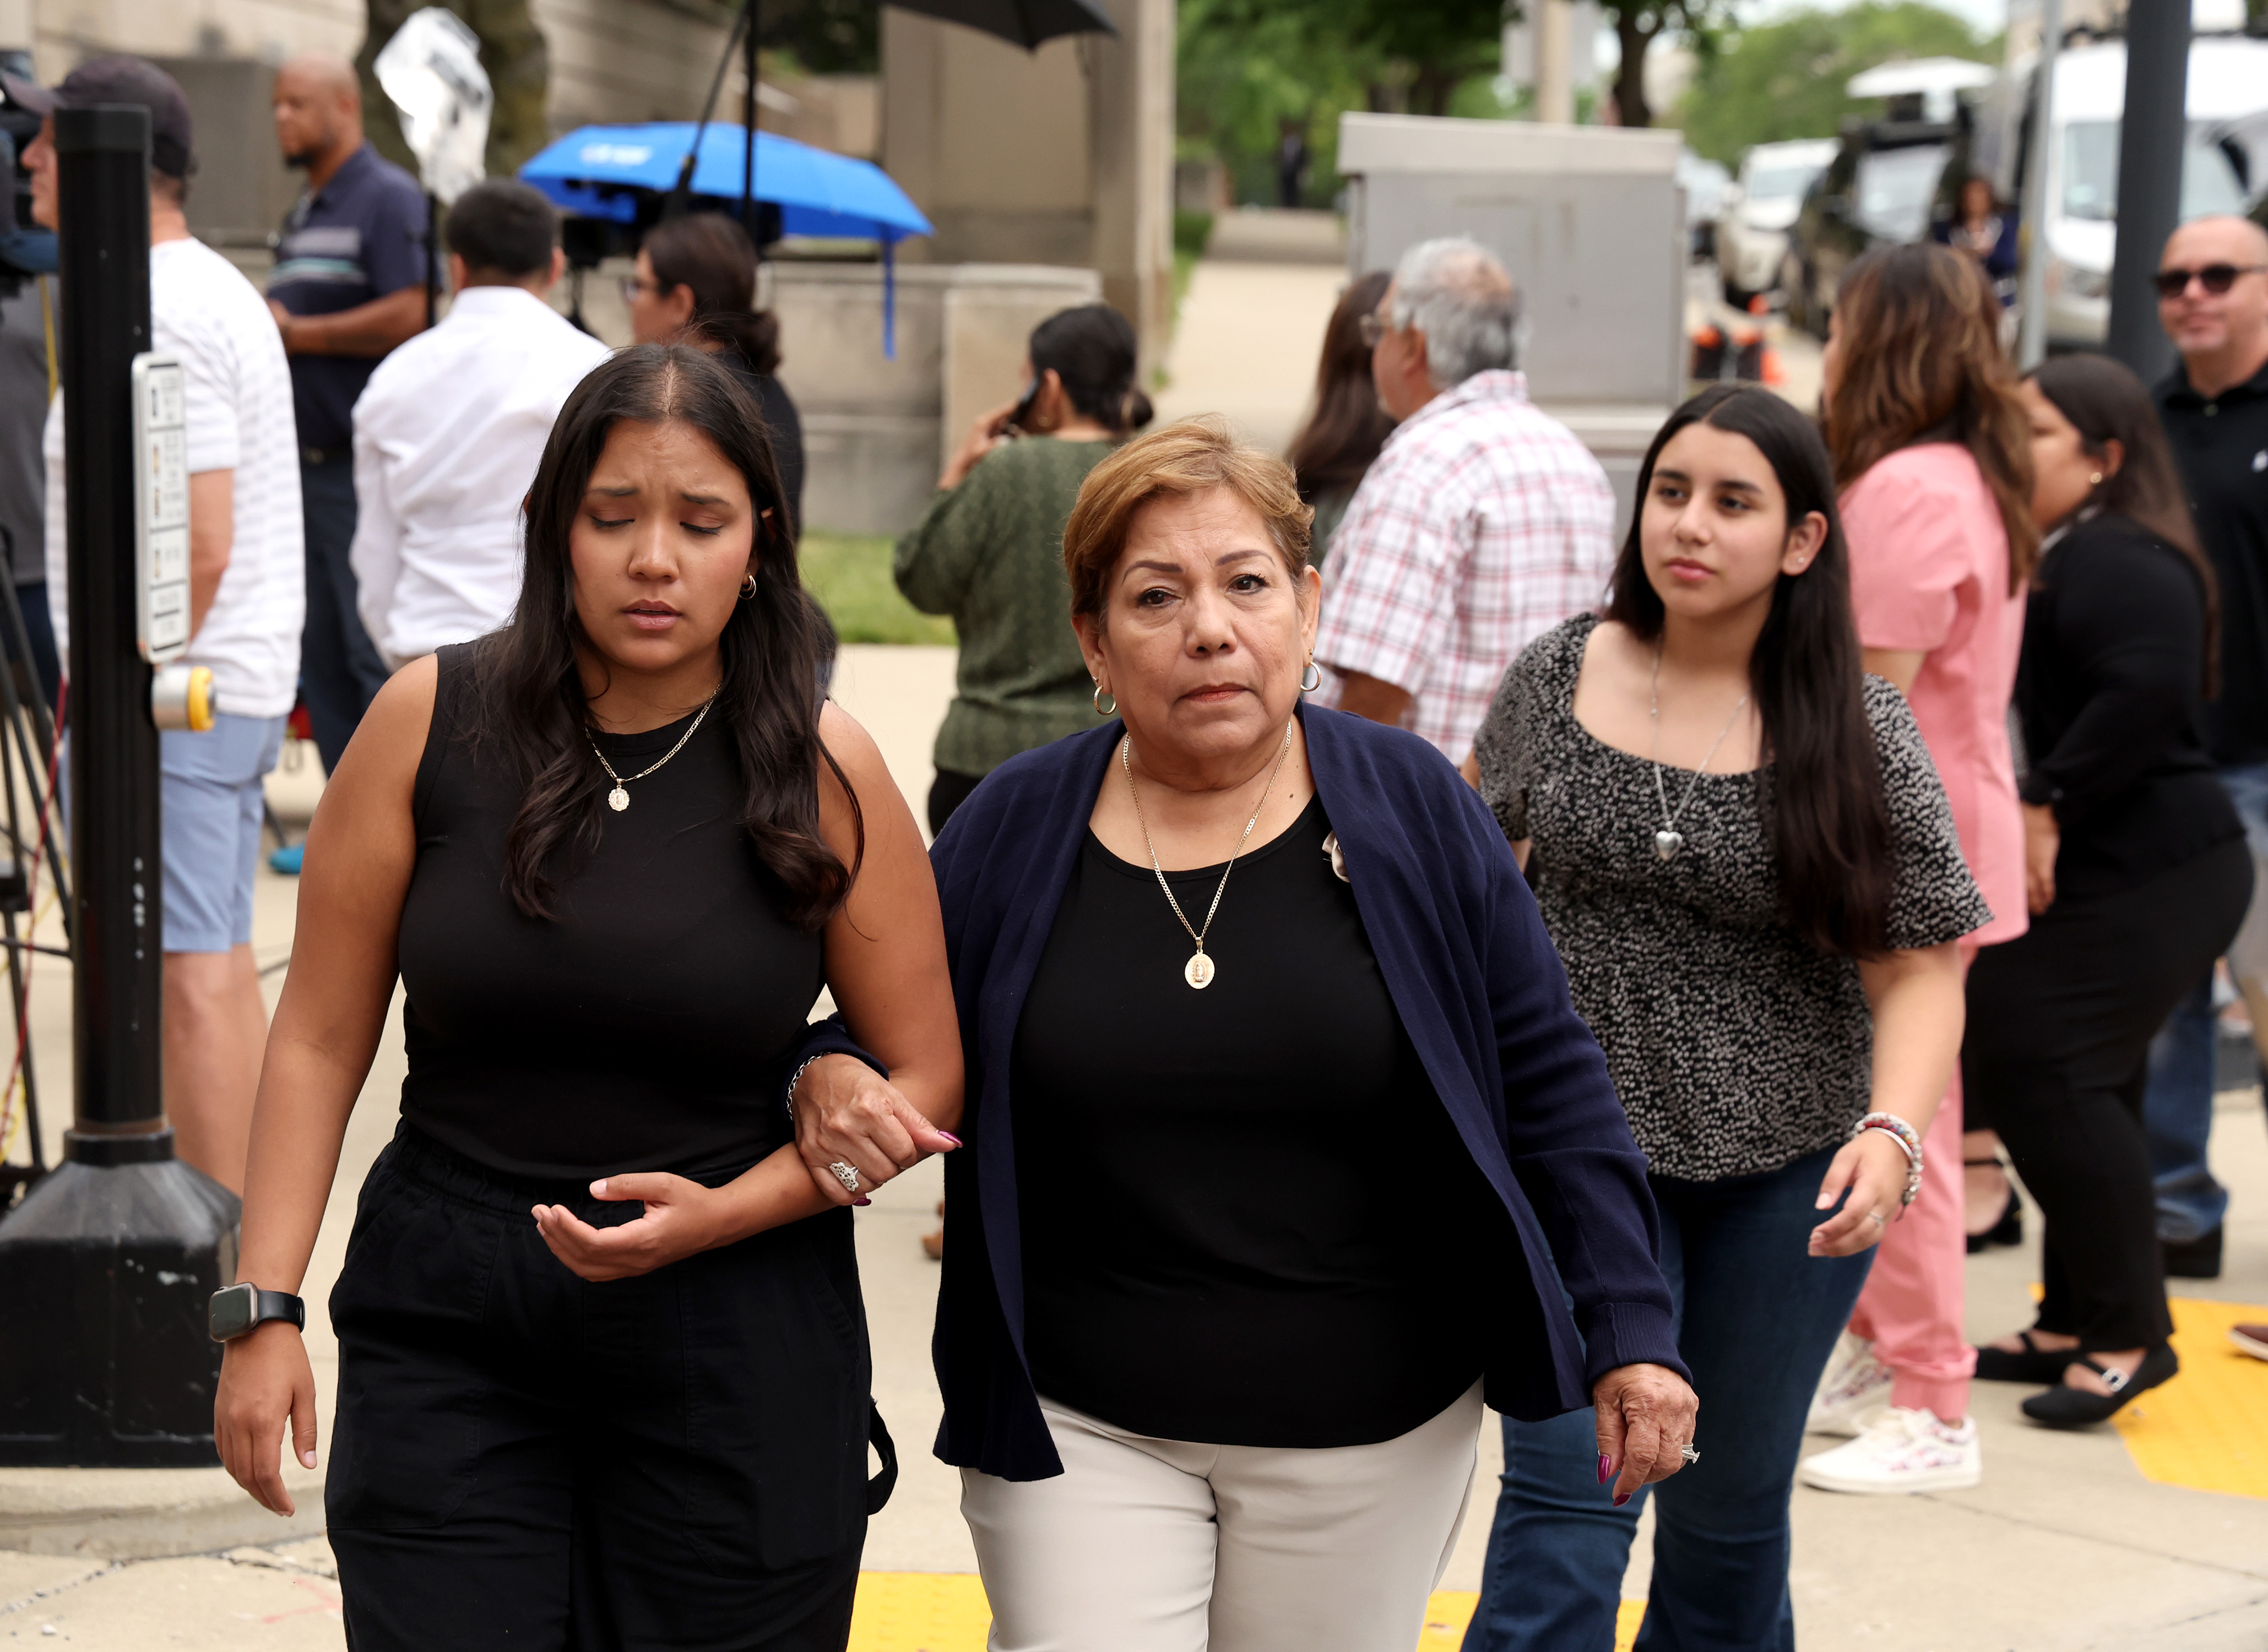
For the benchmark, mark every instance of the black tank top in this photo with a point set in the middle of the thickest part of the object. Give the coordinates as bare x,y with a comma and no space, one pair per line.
644,1025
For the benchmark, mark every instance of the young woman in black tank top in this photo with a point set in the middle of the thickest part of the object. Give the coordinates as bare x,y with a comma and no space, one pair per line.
603,1374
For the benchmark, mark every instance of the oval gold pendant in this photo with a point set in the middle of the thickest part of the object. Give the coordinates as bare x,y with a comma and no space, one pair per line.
618,800
1198,972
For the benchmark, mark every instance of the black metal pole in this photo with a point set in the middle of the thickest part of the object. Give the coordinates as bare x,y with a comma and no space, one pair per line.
105,239
748,122
114,1254
2152,135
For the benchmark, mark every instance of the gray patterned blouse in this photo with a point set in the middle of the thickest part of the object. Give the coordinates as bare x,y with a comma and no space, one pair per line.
1736,1047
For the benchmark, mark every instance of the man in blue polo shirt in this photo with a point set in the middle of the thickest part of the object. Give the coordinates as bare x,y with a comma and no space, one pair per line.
349,285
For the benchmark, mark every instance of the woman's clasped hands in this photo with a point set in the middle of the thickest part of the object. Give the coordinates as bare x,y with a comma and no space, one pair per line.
848,1118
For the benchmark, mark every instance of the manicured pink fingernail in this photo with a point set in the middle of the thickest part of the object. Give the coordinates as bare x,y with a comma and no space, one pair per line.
1605,1468
862,1202
949,1136
1621,1498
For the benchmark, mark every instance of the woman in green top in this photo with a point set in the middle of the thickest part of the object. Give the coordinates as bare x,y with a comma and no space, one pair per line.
989,551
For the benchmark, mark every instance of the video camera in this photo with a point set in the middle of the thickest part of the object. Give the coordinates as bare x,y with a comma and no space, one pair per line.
25,249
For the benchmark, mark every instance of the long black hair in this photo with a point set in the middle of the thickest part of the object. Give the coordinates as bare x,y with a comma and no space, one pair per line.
1830,827
529,684
711,256
1091,348
2106,403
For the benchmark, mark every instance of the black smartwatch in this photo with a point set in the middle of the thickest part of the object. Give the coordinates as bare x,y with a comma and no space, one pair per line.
241,1309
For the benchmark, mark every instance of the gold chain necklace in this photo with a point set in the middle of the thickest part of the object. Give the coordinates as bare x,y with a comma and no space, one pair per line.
619,799
1200,969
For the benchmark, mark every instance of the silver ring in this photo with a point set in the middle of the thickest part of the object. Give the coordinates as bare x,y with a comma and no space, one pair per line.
847,1174
1692,1454
1880,1220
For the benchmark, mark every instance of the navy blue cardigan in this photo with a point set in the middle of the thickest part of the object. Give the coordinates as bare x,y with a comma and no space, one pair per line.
1480,990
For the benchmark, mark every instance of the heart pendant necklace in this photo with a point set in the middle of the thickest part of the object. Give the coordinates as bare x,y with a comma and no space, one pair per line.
1667,839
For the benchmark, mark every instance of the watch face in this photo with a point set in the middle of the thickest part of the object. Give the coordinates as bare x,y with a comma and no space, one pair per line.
231,1314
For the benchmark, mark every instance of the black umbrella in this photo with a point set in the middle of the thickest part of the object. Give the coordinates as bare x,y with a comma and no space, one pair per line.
1026,23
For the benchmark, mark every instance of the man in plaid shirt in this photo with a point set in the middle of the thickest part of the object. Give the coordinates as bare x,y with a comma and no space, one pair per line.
1483,523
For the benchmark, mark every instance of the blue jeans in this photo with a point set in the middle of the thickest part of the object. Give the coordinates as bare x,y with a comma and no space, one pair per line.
1757,1318
340,670
2177,1106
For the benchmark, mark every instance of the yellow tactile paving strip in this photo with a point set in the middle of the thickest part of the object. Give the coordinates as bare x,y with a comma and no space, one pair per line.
932,1611
2207,1428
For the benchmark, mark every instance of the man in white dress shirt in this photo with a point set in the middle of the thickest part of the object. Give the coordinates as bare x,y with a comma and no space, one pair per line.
449,430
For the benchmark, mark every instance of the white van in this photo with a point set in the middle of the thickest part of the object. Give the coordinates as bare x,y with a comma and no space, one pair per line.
2229,79
1753,221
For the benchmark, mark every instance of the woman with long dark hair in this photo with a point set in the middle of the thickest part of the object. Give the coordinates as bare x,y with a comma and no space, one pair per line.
2138,878
696,283
1335,447
1744,858
603,1374
989,551
1931,451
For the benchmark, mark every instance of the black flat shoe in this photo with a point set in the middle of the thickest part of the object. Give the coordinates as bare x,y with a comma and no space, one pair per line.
2063,1406
2034,1364
2192,1259
2010,1229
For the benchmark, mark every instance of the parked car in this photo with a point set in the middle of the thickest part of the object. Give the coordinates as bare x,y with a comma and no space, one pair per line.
1879,191
1762,203
2228,92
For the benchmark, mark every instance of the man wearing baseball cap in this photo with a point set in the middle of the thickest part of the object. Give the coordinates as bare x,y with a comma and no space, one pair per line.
246,604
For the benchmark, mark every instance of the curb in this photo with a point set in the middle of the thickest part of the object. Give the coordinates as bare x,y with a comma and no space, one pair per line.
137,1514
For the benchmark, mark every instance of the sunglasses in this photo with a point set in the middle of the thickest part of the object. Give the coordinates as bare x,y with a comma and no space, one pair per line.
2214,278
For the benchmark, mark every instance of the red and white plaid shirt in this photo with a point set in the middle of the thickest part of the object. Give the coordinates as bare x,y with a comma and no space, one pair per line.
1484,524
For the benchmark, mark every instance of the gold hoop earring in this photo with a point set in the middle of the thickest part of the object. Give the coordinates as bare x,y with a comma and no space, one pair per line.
747,586
1102,694
1314,670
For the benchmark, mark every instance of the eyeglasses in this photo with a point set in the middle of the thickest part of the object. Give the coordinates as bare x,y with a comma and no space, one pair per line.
1373,328
2214,278
633,285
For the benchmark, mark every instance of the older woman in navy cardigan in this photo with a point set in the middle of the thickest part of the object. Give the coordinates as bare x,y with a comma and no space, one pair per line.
1284,1147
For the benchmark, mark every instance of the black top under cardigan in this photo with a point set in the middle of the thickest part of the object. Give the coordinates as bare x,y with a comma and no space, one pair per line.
2110,692
1480,992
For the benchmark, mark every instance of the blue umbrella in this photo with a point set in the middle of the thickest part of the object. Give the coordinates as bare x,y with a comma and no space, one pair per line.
602,171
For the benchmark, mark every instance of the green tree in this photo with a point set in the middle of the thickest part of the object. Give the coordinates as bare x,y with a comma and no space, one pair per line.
1785,79
1638,25
1248,68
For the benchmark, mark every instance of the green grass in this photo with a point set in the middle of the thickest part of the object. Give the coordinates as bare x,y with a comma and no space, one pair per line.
849,574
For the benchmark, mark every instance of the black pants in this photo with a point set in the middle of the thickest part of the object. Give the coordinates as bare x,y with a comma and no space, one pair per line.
947,792
340,670
2057,1054
675,1463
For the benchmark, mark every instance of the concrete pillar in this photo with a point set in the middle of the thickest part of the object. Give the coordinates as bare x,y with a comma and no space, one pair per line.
1063,156
1555,89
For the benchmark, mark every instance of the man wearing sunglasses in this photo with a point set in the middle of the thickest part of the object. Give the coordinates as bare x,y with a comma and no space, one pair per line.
2212,301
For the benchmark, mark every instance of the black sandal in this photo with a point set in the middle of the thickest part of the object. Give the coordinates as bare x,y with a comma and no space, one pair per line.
2064,1406
2034,1364
2010,1229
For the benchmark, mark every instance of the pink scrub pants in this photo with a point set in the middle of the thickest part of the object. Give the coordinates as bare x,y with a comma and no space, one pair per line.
1911,1307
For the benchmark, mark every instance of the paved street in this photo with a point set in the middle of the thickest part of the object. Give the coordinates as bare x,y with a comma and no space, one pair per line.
2074,1541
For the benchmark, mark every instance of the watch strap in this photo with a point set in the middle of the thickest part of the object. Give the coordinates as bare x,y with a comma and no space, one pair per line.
277,1304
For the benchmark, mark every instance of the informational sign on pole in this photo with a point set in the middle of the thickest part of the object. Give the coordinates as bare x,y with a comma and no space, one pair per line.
161,509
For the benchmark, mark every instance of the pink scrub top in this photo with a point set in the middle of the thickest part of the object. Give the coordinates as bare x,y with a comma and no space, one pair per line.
1929,573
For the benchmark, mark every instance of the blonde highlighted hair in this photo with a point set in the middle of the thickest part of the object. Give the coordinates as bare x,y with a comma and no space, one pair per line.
1187,457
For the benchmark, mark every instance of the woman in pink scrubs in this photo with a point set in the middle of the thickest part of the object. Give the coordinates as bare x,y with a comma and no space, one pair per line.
1932,451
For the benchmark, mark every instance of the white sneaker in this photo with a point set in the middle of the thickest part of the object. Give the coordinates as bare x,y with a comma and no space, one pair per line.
1854,1384
1899,1451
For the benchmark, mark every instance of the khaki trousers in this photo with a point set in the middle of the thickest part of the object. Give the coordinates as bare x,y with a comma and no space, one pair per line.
1164,1545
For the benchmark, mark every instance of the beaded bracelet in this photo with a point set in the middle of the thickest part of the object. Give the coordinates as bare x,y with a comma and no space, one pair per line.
1909,1141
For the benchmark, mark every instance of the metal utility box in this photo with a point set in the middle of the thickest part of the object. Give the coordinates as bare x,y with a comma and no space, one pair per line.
1591,223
